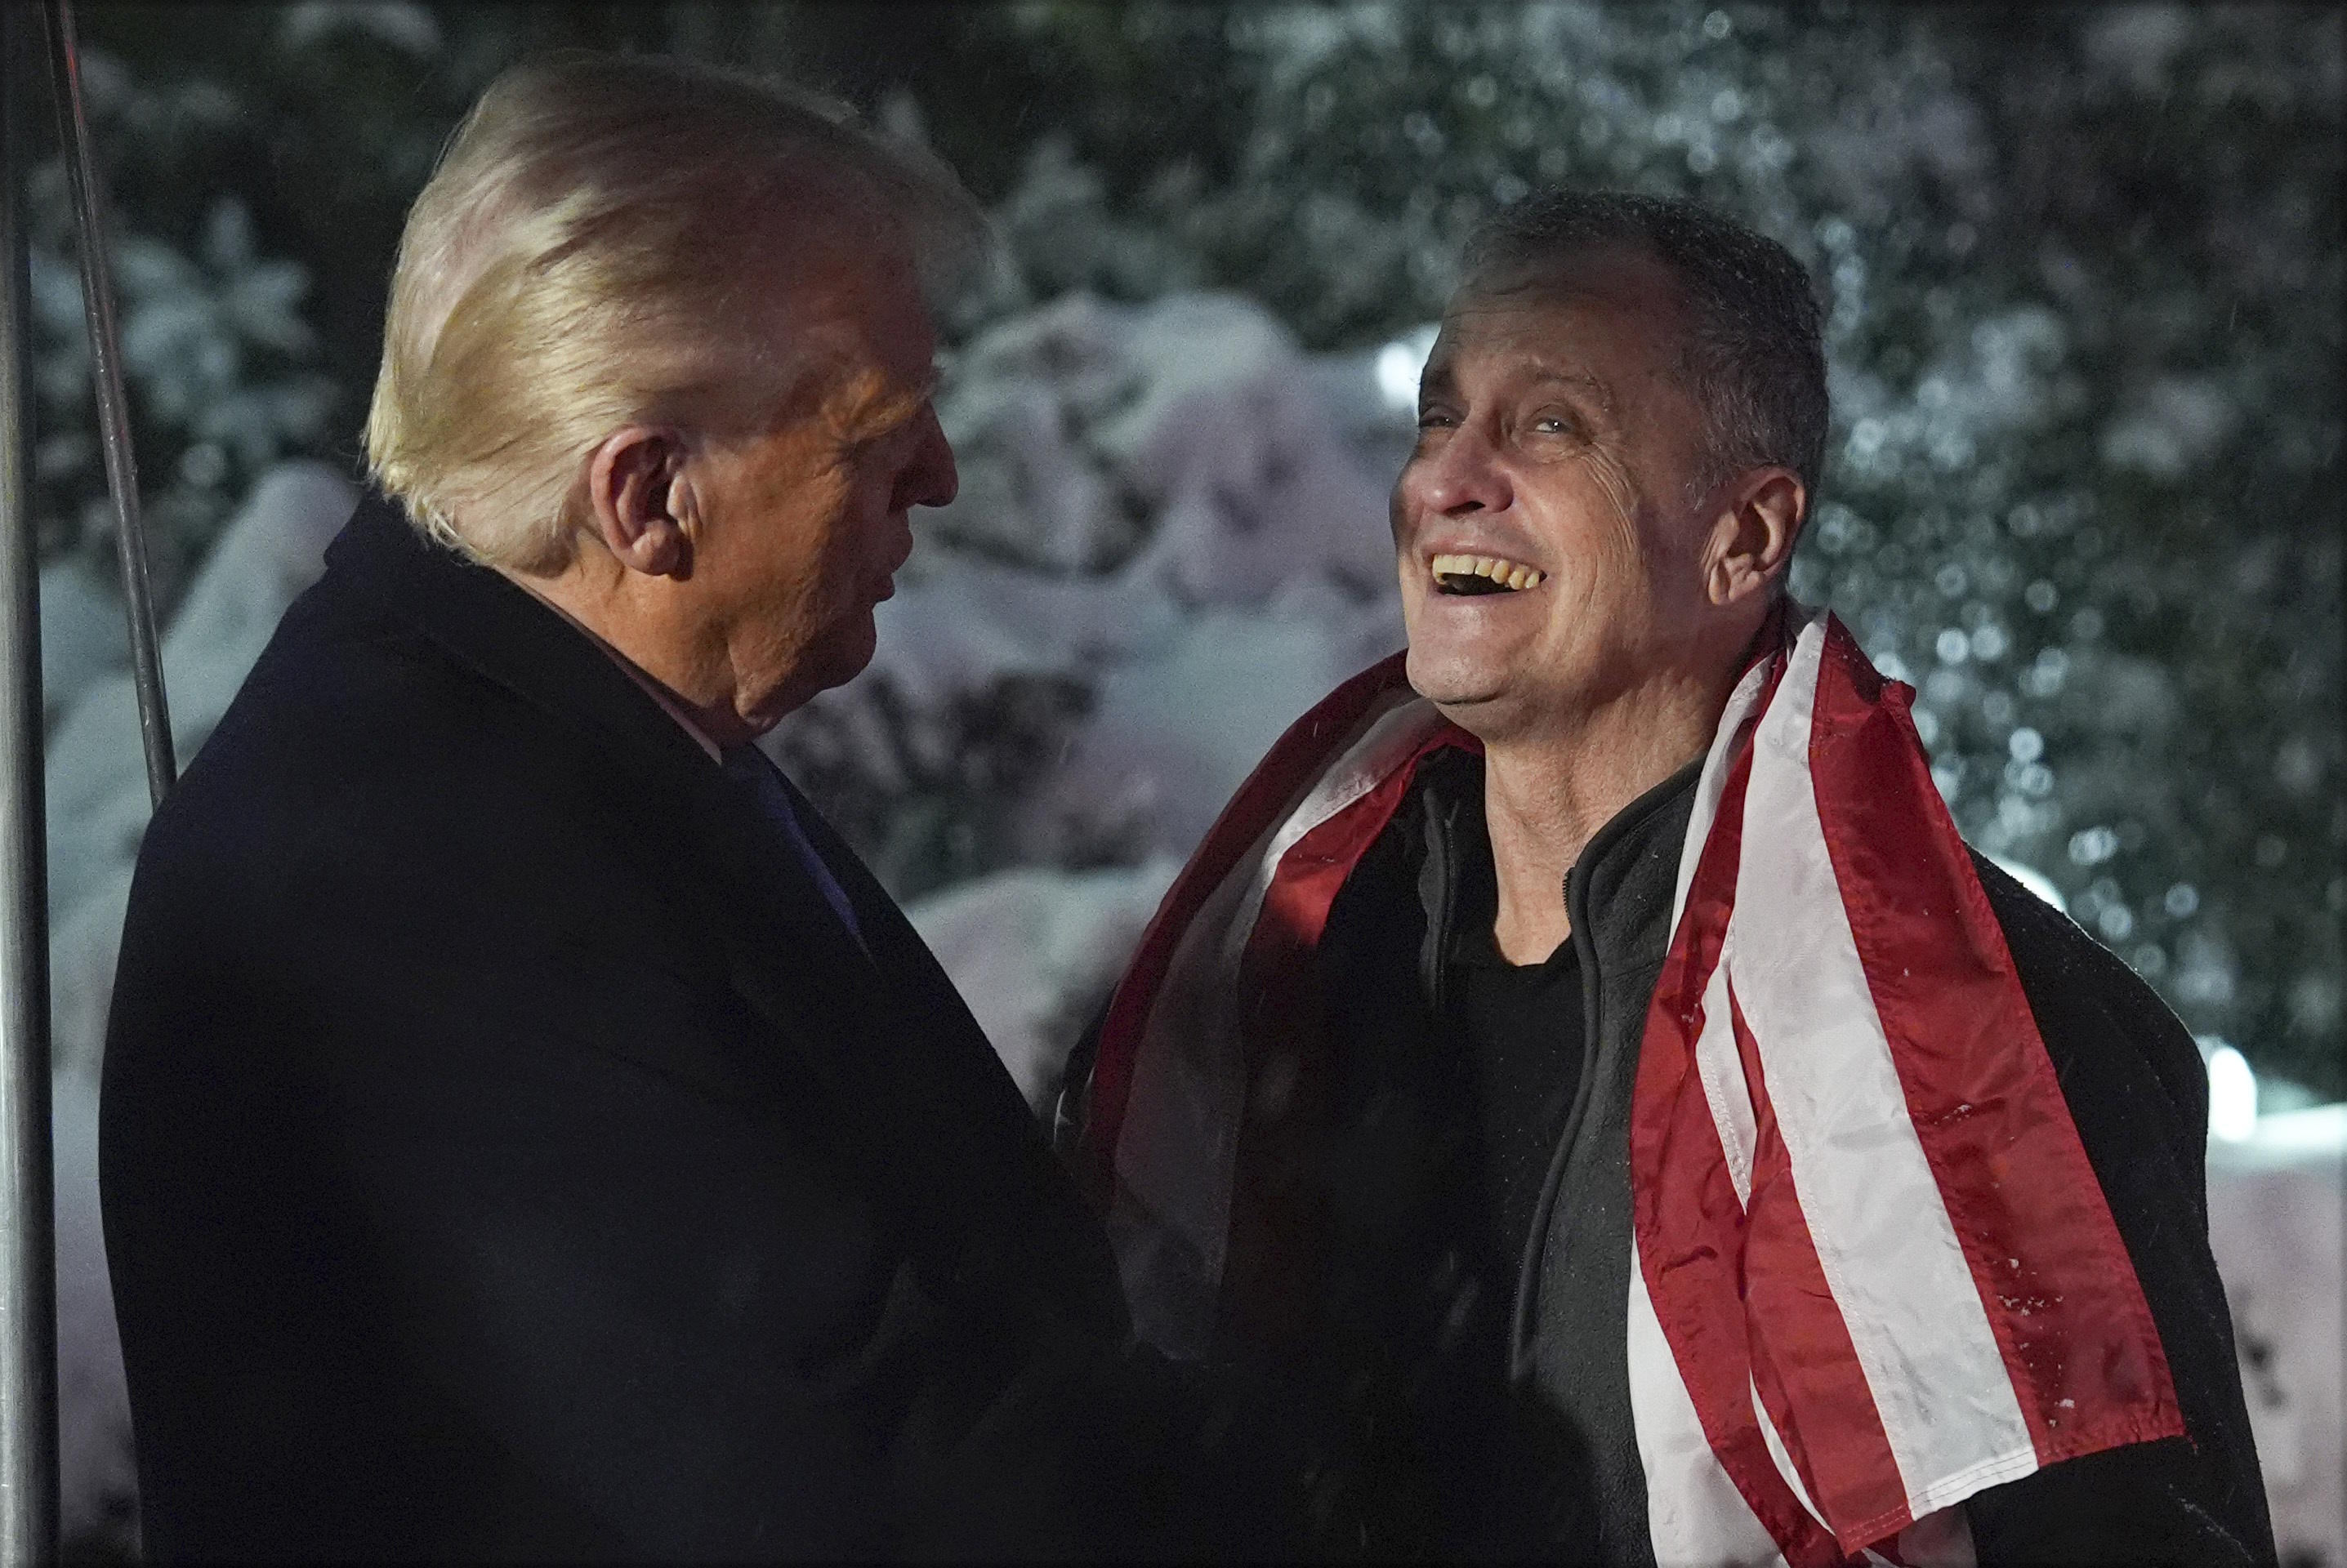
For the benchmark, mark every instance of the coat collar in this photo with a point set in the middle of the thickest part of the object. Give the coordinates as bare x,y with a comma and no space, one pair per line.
1622,885
501,631
1619,889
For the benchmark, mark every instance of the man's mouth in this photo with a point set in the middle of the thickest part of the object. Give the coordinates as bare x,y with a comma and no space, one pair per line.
1482,574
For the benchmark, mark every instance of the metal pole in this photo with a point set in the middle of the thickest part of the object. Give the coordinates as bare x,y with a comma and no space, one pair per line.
113,406
28,1298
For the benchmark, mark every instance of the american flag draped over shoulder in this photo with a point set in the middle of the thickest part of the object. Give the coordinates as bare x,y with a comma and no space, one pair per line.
1872,1270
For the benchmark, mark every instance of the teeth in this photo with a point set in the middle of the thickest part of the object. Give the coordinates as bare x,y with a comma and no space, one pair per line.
1512,575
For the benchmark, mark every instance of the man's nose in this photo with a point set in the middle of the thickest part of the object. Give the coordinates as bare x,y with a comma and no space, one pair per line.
1459,477
931,478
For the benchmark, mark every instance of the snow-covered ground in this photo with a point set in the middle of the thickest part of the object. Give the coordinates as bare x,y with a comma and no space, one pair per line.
2278,1225
1035,953
1169,507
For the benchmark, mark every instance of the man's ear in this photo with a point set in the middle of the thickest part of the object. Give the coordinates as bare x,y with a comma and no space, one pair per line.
1758,519
635,494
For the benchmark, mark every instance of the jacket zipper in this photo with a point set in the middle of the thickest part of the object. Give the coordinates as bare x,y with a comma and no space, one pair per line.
1528,1272
1441,840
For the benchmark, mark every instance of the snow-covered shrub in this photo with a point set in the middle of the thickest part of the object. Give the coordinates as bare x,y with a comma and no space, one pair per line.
2083,291
1035,953
1165,548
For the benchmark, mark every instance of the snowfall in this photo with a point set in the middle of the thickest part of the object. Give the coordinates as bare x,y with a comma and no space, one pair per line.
1175,510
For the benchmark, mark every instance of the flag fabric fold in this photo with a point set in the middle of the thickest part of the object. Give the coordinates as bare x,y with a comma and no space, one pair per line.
1872,1272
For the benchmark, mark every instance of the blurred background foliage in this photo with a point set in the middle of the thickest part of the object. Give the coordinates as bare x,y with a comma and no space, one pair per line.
2083,267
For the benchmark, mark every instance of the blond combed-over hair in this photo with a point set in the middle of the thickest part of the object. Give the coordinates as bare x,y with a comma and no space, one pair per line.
583,259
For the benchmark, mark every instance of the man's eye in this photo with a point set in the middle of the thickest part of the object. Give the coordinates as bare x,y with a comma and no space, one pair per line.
1434,419
1552,424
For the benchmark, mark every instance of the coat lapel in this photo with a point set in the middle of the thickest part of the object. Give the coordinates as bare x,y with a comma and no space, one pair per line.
915,979
917,1094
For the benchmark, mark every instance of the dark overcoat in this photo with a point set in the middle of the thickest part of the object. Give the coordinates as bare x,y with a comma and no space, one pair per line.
506,1150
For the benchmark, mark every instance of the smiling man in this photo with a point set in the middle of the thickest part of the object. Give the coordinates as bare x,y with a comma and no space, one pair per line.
528,1130
1584,1054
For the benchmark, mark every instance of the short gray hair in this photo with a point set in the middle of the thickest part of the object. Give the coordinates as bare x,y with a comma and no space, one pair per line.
575,265
1753,355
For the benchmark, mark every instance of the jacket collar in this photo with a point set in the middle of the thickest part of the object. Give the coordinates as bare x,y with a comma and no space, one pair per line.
1621,887
1619,890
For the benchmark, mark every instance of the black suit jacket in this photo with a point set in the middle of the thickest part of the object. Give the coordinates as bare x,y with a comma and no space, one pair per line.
505,1150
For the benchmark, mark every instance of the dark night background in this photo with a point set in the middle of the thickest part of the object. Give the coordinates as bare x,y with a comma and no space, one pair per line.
2083,266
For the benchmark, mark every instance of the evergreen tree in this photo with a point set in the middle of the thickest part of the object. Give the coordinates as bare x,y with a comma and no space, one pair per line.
2082,264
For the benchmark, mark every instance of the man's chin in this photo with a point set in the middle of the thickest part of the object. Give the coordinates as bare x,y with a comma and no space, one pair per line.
1449,680
847,653
839,658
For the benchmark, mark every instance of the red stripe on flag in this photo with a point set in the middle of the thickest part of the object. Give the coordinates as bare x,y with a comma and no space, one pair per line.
1304,884
1277,1228
1298,757
1690,1225
2053,1275
1802,1358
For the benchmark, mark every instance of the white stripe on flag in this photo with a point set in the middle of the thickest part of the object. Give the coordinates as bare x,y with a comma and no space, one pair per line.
1883,1237
1694,1515
1717,1066
1712,783
1721,1068
1392,736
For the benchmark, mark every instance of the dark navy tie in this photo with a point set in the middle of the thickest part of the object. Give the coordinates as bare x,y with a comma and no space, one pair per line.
751,766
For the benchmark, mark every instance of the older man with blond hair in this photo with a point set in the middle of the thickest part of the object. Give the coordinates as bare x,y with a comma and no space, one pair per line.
527,1129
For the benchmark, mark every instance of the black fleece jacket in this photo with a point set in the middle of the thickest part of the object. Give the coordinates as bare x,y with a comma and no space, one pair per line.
1567,1480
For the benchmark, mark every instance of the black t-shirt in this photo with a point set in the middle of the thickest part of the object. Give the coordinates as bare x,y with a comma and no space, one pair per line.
1451,1100
1519,1031
1515,1034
